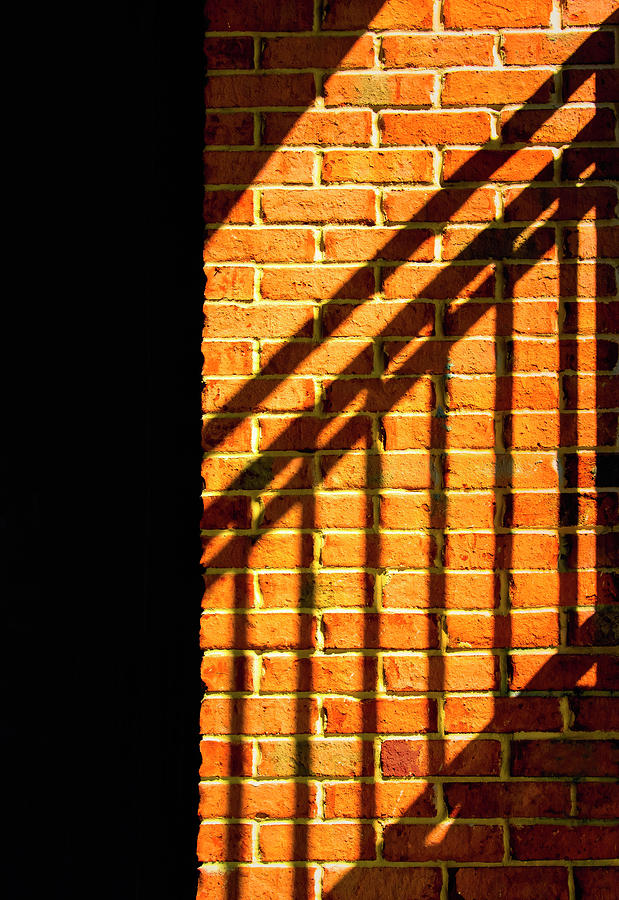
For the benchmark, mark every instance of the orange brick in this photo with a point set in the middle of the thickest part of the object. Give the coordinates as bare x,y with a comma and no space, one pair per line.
376,166
379,89
484,13
454,672
390,631
324,205
464,88
424,51
403,715
440,127
317,842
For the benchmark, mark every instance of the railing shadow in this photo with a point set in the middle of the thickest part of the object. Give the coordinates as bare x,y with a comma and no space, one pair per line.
237,550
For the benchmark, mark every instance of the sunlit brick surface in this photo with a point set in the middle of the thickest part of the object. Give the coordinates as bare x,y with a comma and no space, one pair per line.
410,474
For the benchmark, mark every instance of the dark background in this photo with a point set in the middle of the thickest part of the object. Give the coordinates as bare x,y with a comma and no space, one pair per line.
100,454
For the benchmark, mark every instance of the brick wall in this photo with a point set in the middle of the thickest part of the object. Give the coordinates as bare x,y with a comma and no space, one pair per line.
410,420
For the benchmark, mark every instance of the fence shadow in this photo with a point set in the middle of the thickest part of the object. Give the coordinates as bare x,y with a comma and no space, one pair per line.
514,251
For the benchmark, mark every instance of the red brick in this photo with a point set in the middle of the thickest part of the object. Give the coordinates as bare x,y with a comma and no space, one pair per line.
396,715
564,841
229,52
388,550
243,167
526,204
326,510
322,589
437,511
226,512
324,205
532,430
563,757
353,471
600,163
348,244
420,757
460,843
596,883
498,165
495,88
456,590
250,715
266,320
564,125
520,550
239,395
341,674
228,591
590,241
560,589
378,317
424,51
260,245
320,51
223,758
475,631
439,282
280,801
484,13
498,714
249,473
379,89
487,392
331,758
346,883
392,166
317,842
218,842
257,631
227,357
595,713
597,801
256,883
259,90
502,319
440,127
330,357
317,283
454,672
368,15
228,128
404,432
323,127
456,205
591,86
512,881
220,672
563,672
518,470
542,49
522,799
388,631
421,356
229,282
220,433
379,394
368,801
481,243
252,15
589,12
283,433
236,207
